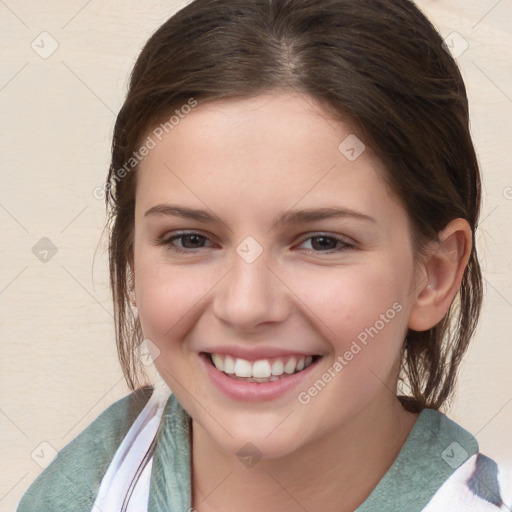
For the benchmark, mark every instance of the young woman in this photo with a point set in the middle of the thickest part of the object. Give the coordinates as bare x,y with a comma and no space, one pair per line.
293,198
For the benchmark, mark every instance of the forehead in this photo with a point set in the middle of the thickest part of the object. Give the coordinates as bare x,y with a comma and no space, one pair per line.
273,150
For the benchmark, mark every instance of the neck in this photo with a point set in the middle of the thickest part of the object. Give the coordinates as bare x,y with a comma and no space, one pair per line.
334,473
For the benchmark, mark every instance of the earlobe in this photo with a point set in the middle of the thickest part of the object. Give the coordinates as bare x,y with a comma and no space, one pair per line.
442,270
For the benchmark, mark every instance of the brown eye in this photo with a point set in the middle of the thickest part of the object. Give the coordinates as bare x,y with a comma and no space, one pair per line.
327,244
190,241
183,242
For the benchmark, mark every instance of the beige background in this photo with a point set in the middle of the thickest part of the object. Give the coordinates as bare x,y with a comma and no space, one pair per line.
58,368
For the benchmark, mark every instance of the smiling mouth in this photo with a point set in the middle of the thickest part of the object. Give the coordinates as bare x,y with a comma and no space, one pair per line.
262,370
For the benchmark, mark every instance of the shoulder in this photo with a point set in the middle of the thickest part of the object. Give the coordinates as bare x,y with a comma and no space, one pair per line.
473,484
72,480
472,487
440,428
439,468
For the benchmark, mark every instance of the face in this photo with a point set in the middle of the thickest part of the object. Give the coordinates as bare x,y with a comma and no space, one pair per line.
273,271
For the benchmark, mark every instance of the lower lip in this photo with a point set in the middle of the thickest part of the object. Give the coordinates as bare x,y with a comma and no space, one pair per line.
253,391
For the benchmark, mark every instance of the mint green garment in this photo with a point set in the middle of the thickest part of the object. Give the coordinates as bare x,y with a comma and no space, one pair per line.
71,482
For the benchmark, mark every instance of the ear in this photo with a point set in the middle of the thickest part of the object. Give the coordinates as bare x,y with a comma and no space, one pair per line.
440,275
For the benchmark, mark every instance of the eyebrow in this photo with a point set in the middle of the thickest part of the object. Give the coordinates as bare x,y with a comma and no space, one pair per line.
289,217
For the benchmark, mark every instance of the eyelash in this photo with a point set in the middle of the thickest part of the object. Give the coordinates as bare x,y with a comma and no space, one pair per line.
167,242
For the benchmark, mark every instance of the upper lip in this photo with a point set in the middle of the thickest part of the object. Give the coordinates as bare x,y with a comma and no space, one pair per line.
255,353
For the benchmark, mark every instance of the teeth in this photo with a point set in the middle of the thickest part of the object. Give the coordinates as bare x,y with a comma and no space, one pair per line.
229,365
277,367
262,370
243,368
217,361
290,366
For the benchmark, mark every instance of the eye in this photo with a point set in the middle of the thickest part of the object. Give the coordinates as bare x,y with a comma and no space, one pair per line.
327,244
189,242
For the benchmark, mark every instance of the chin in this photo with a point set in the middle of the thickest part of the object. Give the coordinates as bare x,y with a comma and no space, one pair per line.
250,451
252,440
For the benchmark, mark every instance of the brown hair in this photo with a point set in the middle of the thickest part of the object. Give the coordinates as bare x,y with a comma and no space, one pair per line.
378,63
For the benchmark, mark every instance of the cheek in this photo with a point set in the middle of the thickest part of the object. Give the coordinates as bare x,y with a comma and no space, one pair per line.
347,300
166,297
361,314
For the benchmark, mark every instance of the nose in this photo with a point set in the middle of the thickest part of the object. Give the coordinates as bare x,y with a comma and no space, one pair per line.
251,295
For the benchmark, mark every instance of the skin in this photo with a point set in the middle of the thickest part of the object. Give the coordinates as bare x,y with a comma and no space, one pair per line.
248,162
